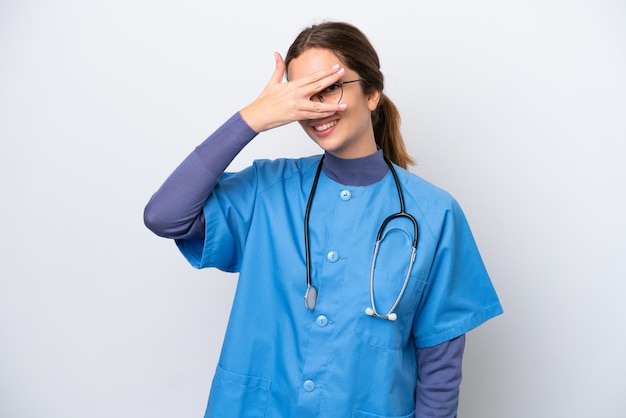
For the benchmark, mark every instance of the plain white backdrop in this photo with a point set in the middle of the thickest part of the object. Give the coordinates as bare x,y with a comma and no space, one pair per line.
517,108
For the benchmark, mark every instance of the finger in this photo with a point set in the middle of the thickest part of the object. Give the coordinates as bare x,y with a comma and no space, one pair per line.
279,70
321,74
318,81
319,110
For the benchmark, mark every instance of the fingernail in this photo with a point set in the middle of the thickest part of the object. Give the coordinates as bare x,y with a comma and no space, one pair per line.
342,106
335,66
343,70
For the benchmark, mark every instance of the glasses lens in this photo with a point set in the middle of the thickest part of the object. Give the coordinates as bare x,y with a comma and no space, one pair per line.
331,94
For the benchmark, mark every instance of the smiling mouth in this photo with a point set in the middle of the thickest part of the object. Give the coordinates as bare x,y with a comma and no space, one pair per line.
320,128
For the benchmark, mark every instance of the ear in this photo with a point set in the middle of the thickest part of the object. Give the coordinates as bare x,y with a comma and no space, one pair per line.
372,100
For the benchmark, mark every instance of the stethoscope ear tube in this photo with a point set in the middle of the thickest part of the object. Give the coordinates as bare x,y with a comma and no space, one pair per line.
371,310
388,219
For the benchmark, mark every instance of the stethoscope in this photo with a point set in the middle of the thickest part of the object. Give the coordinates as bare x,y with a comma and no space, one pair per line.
310,297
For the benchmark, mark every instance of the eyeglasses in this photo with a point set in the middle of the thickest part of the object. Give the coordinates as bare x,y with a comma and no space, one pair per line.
334,92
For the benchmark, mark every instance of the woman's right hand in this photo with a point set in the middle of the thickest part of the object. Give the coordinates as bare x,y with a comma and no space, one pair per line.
282,102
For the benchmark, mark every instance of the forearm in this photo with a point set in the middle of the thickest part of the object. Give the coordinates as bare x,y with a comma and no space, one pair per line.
175,210
439,379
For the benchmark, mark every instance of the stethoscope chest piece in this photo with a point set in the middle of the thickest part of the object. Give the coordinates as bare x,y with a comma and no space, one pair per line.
310,297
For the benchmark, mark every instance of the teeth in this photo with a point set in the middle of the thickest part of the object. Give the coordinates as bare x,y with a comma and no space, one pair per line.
325,126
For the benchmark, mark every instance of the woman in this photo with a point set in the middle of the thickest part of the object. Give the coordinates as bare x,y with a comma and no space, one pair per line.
379,333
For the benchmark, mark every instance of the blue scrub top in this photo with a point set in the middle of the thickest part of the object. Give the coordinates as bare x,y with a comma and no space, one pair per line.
281,360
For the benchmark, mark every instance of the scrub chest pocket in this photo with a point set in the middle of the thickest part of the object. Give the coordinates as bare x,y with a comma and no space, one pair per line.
391,334
385,288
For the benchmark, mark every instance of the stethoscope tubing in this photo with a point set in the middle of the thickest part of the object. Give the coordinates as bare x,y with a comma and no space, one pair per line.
371,310
310,296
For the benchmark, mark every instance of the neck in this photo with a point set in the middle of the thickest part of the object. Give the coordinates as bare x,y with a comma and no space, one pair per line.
361,171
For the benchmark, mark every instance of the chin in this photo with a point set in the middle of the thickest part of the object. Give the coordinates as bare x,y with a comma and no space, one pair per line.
328,145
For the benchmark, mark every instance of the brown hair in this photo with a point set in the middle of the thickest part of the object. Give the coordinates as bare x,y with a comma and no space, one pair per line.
354,49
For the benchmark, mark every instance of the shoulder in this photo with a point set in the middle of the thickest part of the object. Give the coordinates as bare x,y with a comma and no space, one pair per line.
286,166
420,190
433,205
266,173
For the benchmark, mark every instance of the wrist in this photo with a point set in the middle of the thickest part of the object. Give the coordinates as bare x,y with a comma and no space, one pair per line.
249,115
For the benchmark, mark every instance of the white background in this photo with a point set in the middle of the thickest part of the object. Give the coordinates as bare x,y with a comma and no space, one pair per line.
517,108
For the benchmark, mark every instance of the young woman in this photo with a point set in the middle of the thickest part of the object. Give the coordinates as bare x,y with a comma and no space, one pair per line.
386,262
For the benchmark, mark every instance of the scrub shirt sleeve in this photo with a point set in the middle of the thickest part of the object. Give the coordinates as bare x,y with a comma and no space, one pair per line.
227,214
459,295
